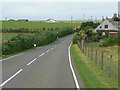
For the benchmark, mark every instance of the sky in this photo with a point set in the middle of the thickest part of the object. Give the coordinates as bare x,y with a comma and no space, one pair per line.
58,10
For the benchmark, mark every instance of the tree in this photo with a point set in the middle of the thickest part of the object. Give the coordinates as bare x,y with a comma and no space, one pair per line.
82,36
116,19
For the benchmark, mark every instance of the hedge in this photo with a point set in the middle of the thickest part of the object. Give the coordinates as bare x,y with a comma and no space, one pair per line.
26,41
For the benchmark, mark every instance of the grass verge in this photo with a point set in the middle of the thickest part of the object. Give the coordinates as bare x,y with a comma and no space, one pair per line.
92,76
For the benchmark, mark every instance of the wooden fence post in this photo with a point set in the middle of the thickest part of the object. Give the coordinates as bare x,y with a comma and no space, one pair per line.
110,73
102,60
88,51
96,57
85,50
92,53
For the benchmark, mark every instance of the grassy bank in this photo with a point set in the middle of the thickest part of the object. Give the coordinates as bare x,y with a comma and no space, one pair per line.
92,76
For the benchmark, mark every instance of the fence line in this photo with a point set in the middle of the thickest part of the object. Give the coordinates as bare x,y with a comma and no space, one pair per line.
103,62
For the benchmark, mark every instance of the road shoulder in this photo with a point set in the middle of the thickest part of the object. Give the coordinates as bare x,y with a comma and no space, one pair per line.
76,72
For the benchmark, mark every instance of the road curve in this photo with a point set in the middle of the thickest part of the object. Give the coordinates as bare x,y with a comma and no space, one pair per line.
45,67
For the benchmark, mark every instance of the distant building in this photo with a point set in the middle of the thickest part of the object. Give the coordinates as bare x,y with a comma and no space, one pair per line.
50,20
22,20
11,20
110,25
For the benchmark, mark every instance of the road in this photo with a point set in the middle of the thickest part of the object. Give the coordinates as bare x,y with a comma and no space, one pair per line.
45,67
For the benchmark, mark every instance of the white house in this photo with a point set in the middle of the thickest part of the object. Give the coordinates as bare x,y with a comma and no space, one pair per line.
109,25
50,20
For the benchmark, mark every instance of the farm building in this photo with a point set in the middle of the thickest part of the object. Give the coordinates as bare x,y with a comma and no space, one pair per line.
110,25
11,20
22,20
50,20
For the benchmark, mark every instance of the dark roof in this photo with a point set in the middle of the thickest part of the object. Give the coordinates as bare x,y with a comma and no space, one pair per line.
49,19
11,20
22,19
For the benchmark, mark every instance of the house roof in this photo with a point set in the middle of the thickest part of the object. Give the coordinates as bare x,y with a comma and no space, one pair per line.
49,19
116,24
22,19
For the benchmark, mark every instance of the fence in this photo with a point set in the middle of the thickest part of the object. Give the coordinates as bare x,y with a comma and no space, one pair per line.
104,61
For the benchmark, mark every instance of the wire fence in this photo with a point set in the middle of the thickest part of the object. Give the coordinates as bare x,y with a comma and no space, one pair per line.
102,59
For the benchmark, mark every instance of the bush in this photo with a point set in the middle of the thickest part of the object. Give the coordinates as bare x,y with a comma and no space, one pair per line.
26,41
112,40
75,39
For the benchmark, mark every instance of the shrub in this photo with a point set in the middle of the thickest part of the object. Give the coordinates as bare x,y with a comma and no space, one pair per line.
26,41
75,39
112,40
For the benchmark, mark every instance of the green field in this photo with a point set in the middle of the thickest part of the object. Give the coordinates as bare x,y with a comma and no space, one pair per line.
35,25
92,76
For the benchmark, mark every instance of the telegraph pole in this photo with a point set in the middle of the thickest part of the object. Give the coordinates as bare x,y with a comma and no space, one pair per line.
71,20
91,18
6,18
84,16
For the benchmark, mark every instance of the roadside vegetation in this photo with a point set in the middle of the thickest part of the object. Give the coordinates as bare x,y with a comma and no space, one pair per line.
91,75
19,36
26,41
98,54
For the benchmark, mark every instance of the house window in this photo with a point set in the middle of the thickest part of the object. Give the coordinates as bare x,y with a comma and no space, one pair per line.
100,26
106,26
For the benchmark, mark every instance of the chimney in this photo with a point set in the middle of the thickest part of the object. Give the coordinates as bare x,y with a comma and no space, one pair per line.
115,14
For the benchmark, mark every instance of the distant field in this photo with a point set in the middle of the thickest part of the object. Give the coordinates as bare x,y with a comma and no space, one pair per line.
35,25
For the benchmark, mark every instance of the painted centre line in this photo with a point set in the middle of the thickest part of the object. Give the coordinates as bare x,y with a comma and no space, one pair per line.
31,62
11,78
41,54
51,48
47,51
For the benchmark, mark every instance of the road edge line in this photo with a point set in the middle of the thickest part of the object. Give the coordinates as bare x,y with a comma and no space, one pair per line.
1,85
71,67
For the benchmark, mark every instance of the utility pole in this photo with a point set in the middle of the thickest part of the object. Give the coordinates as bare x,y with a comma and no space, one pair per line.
6,18
84,16
96,19
91,18
71,20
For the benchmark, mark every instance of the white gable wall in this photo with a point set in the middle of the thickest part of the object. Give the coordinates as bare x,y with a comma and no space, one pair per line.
106,22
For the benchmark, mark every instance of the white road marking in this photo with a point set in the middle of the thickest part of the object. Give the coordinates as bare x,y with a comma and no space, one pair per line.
11,78
31,62
71,67
15,55
51,48
62,43
41,54
47,51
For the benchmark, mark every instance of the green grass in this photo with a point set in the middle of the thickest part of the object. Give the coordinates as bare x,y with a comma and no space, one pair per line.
91,75
108,51
35,25
92,44
7,36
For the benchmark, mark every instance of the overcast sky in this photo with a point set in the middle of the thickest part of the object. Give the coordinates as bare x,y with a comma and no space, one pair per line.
58,10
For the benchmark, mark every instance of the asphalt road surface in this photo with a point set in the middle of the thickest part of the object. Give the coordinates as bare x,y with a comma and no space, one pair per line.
49,66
